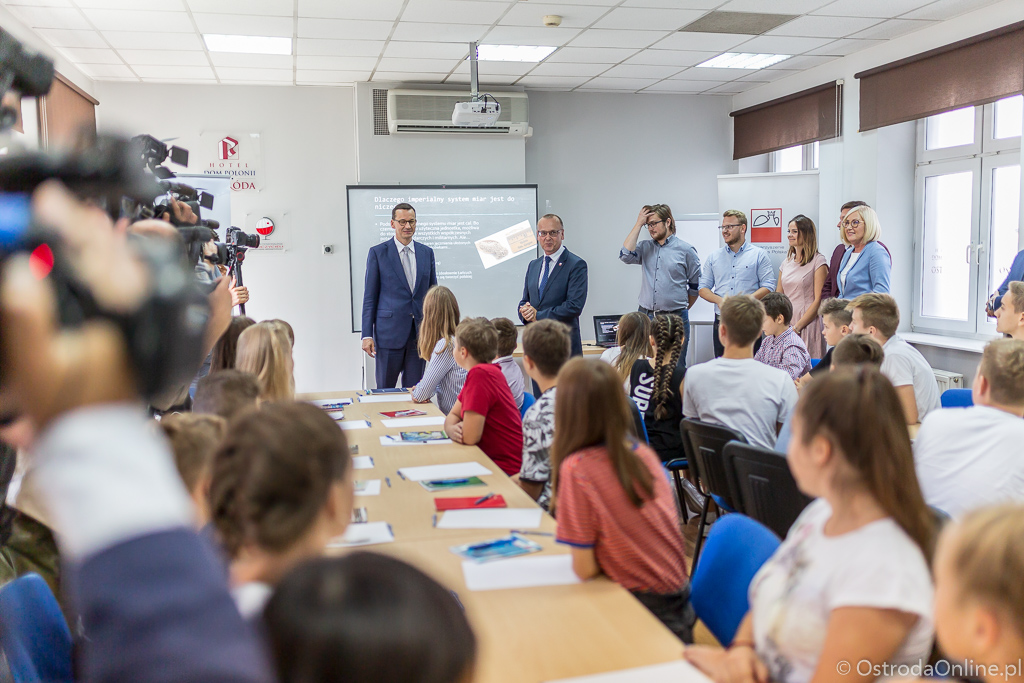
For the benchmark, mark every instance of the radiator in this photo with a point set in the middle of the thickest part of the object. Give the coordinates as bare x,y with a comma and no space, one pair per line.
948,380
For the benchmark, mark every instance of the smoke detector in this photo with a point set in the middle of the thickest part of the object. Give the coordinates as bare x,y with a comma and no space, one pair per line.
552,20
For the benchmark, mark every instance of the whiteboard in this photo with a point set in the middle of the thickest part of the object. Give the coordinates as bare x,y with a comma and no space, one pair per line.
705,238
757,193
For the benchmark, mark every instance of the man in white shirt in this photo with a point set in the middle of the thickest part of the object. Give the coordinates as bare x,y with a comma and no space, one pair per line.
1010,314
969,457
878,315
735,390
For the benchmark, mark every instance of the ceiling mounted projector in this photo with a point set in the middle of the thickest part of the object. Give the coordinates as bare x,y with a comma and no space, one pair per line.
478,114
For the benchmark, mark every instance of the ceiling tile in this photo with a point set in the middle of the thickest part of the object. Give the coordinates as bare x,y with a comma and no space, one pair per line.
871,8
490,79
143,40
51,17
776,6
551,82
235,73
273,8
767,75
800,62
675,4
138,20
843,47
524,35
443,11
181,57
733,88
40,3
893,28
703,73
397,48
641,71
171,5
85,55
238,24
591,55
630,84
781,45
344,28
717,42
563,70
447,33
680,87
171,71
648,19
71,38
531,14
329,63
671,57
386,10
497,68
607,38
341,48
600,3
823,27
236,59
101,71
407,77
946,9
309,77
429,65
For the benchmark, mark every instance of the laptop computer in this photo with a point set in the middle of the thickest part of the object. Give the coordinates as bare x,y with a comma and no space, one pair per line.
605,329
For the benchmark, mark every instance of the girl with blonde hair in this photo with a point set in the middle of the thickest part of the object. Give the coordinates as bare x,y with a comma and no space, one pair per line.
442,376
634,342
265,351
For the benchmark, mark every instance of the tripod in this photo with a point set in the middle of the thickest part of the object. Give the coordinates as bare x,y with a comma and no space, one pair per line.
235,268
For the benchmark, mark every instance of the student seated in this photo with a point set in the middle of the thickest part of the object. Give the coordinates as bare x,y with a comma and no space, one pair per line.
613,503
507,338
782,347
979,597
850,582
265,351
485,414
879,316
634,342
969,457
735,390
226,349
835,324
281,488
656,386
194,439
1010,314
547,345
226,393
442,376
367,618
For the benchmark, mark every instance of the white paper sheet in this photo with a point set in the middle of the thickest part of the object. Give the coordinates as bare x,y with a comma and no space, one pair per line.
413,421
362,462
491,518
679,671
452,471
525,572
354,424
397,441
372,488
370,533
321,402
386,398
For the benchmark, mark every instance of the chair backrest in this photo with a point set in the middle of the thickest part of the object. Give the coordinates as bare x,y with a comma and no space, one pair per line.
638,420
957,398
34,638
528,400
704,444
765,488
736,548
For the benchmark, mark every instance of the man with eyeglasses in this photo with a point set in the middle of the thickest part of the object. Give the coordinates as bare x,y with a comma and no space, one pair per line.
556,283
737,268
671,267
399,272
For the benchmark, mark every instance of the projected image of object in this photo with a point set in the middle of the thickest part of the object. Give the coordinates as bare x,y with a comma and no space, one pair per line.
506,244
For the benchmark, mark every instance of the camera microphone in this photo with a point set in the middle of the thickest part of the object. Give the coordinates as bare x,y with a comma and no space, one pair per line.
210,223
186,193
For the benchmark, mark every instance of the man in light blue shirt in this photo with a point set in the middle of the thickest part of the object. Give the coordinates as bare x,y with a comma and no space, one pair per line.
671,267
736,268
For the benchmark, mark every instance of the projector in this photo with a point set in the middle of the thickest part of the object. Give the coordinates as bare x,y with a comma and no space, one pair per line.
480,114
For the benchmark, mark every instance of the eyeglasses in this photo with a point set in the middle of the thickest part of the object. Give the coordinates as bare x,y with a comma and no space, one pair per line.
651,225
854,224
407,223
548,233
727,228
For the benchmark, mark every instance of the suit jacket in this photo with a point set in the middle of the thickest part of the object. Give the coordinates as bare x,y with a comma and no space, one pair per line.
869,274
564,296
390,310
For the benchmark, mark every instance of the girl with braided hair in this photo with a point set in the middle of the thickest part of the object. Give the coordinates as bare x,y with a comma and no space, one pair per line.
656,385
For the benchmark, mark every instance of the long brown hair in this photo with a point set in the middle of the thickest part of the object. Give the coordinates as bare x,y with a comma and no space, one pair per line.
440,318
591,410
668,333
807,240
223,356
634,340
859,412
264,351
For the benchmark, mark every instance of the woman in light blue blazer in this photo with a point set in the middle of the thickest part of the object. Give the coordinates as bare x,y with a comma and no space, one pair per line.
866,264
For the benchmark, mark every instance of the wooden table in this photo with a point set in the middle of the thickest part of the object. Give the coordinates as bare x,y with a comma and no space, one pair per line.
526,634
589,349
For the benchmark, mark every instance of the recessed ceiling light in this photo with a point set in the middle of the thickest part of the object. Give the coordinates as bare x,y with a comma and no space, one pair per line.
743,60
513,53
258,45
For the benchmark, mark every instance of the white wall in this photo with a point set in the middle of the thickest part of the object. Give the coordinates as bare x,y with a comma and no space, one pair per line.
308,157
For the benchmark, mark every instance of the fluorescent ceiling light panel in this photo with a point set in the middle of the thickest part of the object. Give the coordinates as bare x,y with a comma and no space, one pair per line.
743,60
255,45
513,53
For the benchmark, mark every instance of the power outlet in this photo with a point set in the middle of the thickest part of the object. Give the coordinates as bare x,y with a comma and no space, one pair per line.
328,248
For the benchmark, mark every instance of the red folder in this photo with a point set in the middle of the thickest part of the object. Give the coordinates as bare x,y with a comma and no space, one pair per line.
467,503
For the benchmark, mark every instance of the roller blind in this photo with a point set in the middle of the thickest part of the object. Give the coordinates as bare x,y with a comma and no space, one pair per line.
978,70
806,116
65,113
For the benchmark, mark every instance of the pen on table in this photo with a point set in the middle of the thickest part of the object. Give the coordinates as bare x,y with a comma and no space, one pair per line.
434,524
483,499
401,475
531,533
388,480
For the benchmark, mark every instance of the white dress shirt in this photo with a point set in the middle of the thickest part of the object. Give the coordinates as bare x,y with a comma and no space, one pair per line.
412,256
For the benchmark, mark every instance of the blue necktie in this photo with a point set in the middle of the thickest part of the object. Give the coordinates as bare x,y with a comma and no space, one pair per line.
544,276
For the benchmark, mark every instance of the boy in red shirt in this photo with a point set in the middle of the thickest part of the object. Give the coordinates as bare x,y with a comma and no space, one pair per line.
485,414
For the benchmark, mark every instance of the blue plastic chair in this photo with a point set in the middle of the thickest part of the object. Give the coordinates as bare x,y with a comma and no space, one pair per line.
528,400
736,548
956,398
814,362
34,638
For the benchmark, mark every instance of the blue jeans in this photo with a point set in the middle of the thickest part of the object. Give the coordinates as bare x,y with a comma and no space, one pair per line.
685,315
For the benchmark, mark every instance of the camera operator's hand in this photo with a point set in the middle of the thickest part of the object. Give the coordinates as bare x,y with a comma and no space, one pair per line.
183,213
239,295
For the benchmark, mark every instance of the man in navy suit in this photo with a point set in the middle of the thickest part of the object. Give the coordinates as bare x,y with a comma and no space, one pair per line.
556,283
398,274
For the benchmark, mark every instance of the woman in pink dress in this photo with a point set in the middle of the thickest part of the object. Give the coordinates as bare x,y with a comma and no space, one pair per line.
801,278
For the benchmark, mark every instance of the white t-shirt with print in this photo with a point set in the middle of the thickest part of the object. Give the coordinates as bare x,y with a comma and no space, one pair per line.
791,596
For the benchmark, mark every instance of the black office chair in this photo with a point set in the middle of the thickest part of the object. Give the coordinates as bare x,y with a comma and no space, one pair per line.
764,487
704,444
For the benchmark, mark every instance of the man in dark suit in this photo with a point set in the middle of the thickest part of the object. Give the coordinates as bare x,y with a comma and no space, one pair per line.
556,283
398,274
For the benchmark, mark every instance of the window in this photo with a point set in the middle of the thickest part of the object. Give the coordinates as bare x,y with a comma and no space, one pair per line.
968,198
797,158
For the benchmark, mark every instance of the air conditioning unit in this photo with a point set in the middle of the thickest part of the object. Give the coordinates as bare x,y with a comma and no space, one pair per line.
430,111
948,380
